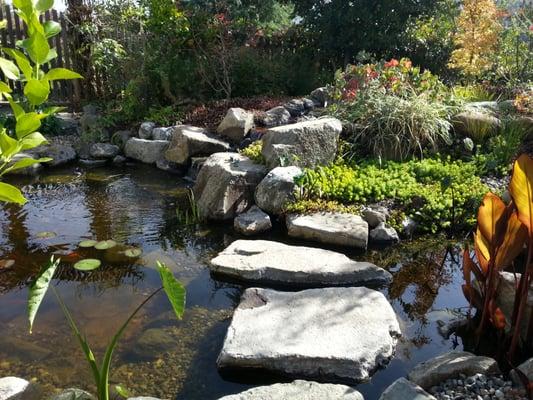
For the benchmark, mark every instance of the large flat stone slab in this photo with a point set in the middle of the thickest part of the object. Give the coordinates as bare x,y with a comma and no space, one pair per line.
331,228
320,334
189,141
267,262
302,390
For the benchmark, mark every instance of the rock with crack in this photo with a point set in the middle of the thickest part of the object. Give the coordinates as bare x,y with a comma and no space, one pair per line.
277,189
304,144
189,141
146,151
330,228
265,262
252,222
226,184
236,124
402,389
320,334
298,389
451,365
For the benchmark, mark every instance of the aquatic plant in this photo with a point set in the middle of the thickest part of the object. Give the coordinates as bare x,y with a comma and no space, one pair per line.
173,289
503,240
25,69
191,215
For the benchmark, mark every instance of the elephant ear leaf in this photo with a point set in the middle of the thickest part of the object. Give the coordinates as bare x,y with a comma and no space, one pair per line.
173,288
39,288
521,189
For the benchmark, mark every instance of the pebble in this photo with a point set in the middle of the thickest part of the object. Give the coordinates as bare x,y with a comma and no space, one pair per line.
477,387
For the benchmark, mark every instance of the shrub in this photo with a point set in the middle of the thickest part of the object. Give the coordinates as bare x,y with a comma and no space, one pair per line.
253,152
470,93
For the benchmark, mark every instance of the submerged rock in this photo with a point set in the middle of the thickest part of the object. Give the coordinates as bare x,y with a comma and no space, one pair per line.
331,333
450,365
331,228
73,394
146,151
298,390
189,141
252,222
267,262
13,388
304,144
402,389
59,153
153,342
277,189
236,124
226,184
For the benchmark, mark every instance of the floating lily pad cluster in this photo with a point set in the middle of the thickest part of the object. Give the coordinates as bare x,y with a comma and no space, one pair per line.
89,264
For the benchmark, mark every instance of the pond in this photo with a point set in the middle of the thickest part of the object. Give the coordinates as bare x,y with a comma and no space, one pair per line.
159,356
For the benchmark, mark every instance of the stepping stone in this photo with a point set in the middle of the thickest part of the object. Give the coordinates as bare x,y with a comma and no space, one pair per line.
321,334
330,228
402,389
298,390
267,262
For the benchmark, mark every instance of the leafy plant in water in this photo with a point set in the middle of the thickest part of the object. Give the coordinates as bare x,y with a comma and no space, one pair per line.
25,67
173,289
191,215
503,232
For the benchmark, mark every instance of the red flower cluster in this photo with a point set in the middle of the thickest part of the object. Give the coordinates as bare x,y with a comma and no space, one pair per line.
392,63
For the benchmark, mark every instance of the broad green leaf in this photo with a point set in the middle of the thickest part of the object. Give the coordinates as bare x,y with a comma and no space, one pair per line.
32,141
88,264
105,244
50,56
4,88
18,111
521,188
38,48
37,91
44,5
173,288
39,288
27,123
21,60
9,69
26,162
53,110
10,194
51,29
8,145
61,73
46,235
87,243
24,5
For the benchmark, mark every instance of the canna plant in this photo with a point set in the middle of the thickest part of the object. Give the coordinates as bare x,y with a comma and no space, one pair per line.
25,66
504,241
173,289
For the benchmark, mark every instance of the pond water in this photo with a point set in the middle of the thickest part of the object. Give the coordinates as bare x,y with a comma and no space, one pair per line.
159,356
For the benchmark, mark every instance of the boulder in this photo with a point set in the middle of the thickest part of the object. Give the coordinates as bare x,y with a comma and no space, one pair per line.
309,104
226,184
295,107
450,365
374,217
120,138
13,388
323,334
146,151
118,160
383,234
104,150
488,106
304,144
189,141
275,117
267,262
330,228
252,222
236,124
402,389
476,124
60,153
526,369
162,133
298,390
73,394
277,189
146,129
69,123
320,96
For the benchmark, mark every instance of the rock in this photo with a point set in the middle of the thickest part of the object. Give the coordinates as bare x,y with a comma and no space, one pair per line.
267,262
73,394
384,234
196,165
309,104
409,226
295,107
168,166
91,162
402,389
24,350
153,342
305,144
120,138
189,141
487,106
476,124
236,124
320,96
28,171
525,368
331,228
104,150
69,123
226,184
146,129
447,321
277,189
60,154
330,333
119,160
162,133
451,365
468,144
374,217
252,222
275,117
146,151
298,390
13,388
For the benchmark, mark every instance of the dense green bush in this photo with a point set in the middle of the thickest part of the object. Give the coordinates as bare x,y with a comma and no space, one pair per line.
439,194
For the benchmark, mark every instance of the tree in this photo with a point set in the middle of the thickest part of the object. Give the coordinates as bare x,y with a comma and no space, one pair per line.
476,39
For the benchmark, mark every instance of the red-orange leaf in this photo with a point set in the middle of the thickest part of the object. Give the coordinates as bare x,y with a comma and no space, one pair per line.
482,248
521,188
491,210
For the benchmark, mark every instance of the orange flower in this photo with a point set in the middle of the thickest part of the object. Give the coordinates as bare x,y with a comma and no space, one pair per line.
392,63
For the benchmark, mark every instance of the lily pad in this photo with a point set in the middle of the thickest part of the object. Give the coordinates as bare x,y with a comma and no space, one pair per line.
87,243
46,235
133,252
105,244
88,264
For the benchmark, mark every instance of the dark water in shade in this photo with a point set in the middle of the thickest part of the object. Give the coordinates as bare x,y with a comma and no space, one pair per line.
137,206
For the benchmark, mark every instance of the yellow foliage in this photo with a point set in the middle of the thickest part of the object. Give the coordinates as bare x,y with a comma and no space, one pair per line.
477,36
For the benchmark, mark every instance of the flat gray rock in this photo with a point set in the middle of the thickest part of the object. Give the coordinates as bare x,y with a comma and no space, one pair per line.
189,141
402,389
104,150
451,365
236,124
146,151
331,228
252,222
298,390
321,334
264,262
525,368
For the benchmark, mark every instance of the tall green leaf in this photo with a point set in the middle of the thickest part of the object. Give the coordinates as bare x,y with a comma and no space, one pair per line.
9,69
39,288
27,123
10,194
173,288
44,5
61,73
21,60
25,163
37,91
32,140
38,48
51,29
8,145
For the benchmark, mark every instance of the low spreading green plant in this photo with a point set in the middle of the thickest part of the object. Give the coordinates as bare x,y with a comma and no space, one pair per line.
470,93
308,206
436,193
26,69
254,152
173,289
